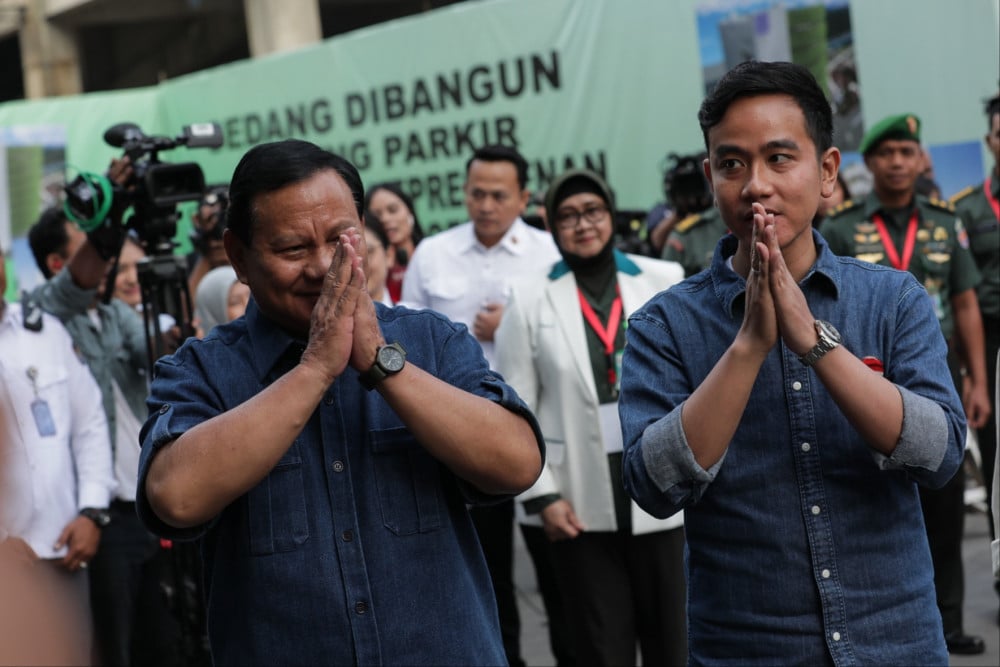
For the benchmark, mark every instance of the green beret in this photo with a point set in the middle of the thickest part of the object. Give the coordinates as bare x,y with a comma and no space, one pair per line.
902,126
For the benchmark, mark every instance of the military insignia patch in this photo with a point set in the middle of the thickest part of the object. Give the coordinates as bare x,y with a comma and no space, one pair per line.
923,236
961,234
940,234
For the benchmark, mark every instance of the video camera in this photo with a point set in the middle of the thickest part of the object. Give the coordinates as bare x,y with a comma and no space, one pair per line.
155,188
685,185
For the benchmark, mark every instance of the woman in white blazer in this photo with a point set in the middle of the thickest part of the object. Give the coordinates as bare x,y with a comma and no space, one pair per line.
619,570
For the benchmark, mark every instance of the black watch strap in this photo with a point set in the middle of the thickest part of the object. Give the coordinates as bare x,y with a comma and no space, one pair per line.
101,517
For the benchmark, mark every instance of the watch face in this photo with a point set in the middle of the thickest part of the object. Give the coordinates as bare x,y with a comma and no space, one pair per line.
391,359
827,330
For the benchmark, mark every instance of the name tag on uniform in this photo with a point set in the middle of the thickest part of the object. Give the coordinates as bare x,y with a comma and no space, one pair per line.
611,427
43,418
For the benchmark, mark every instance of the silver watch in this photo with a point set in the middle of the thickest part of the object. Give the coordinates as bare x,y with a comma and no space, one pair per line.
829,338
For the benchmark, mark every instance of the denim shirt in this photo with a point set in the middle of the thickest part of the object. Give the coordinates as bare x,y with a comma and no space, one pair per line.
804,544
357,548
114,351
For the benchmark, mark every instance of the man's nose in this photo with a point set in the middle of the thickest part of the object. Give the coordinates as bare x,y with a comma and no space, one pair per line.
758,184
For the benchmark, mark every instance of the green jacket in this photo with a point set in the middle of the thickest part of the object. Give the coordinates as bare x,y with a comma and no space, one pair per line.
983,226
941,260
115,350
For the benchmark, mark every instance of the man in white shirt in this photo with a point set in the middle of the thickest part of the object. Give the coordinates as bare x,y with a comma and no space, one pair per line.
466,273
56,475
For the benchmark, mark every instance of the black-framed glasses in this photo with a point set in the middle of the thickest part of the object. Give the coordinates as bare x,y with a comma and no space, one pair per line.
569,219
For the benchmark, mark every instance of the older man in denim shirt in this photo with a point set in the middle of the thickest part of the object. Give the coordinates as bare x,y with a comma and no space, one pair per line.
327,472
794,449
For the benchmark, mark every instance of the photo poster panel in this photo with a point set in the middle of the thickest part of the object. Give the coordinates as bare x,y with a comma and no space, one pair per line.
32,174
816,34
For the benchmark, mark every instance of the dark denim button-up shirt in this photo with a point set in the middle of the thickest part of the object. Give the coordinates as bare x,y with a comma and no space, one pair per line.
357,548
805,545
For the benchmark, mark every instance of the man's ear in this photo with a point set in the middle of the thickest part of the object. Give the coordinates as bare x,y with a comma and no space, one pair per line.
236,252
829,166
706,166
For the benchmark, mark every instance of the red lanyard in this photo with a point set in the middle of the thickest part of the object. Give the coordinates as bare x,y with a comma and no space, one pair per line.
606,335
890,247
988,191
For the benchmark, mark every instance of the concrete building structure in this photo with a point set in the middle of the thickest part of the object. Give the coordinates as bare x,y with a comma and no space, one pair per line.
66,47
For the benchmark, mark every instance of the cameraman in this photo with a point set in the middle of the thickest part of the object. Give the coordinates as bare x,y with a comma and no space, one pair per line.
208,223
687,193
109,335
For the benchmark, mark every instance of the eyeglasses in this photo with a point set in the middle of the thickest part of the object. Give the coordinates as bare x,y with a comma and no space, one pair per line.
569,219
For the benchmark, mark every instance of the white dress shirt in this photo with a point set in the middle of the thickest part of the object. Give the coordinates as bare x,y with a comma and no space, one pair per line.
46,479
456,275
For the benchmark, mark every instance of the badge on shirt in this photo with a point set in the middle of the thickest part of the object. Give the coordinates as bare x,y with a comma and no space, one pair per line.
43,418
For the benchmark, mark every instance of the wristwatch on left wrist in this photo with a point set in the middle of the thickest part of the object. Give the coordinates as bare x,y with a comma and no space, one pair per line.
100,517
829,338
389,360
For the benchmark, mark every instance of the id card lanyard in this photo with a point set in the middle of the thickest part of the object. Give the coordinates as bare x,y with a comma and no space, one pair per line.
988,191
890,248
607,334
44,422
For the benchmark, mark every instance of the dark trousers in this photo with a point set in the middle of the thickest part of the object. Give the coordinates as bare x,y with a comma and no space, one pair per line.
560,632
620,589
131,621
495,527
987,435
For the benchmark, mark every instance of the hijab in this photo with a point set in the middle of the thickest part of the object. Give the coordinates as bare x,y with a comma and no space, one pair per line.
212,297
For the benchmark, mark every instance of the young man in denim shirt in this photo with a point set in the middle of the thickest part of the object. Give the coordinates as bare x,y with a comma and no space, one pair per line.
795,450
333,518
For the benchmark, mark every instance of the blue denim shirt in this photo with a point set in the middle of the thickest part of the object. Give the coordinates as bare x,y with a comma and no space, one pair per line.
805,545
357,548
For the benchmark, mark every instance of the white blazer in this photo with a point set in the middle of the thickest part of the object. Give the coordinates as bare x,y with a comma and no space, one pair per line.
541,351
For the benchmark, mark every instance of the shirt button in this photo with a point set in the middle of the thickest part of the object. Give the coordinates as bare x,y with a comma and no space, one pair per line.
360,607
797,386
164,408
347,535
815,509
338,466
328,399
806,446
836,636
826,574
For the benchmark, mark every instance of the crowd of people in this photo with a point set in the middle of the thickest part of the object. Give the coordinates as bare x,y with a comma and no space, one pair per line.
747,447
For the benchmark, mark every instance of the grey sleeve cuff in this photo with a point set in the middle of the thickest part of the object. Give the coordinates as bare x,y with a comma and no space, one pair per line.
668,459
924,438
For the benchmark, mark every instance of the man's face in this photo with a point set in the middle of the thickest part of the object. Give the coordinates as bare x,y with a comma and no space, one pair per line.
762,152
993,139
493,198
295,234
895,165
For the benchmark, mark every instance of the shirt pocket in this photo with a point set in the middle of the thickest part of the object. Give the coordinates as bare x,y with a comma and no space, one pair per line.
278,521
408,483
447,288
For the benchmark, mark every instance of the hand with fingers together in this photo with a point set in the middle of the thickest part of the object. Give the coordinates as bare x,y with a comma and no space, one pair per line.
331,331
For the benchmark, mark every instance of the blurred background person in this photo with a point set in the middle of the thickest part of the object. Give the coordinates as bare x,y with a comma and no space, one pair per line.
377,269
687,193
127,287
394,209
620,571
221,298
207,224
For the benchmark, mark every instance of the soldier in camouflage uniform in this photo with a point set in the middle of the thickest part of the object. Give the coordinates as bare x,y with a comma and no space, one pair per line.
896,227
979,209
693,241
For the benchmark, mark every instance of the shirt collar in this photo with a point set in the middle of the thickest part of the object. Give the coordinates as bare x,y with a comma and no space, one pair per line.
515,241
269,343
622,265
730,286
873,205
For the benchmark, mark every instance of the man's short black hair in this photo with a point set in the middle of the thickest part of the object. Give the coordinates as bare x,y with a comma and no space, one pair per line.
753,78
48,236
498,153
992,109
272,166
